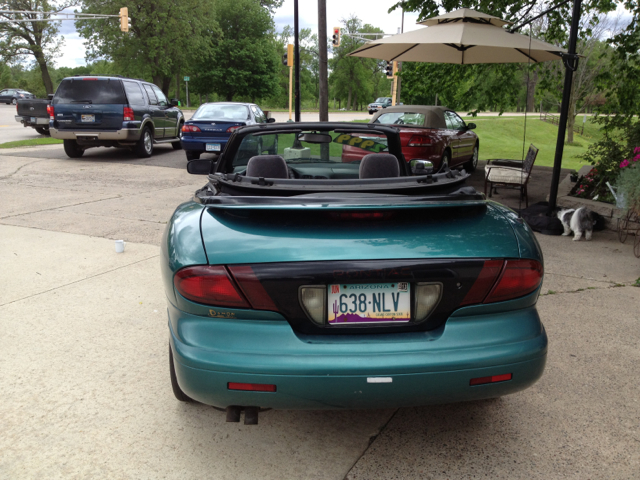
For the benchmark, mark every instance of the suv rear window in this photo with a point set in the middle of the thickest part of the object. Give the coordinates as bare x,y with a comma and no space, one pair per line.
95,91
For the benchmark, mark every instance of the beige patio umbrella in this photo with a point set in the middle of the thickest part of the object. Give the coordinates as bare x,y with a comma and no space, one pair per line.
463,36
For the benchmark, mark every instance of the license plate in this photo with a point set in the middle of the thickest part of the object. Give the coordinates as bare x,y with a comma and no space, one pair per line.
369,303
33,119
88,118
212,147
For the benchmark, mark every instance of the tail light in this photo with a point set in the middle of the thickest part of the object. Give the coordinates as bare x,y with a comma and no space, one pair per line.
190,128
420,141
518,278
485,281
237,287
234,128
128,114
50,111
252,288
209,285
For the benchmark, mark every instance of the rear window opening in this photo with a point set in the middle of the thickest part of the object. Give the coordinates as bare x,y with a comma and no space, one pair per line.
228,113
101,91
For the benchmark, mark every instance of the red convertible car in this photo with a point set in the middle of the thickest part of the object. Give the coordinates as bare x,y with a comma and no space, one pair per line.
437,134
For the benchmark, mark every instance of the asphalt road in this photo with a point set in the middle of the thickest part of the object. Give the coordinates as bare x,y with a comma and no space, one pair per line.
84,378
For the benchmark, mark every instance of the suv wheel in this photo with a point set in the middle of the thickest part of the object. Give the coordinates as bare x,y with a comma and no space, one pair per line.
72,149
144,147
191,155
177,145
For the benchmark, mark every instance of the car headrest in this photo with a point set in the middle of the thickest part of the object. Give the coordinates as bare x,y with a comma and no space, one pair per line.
379,165
268,166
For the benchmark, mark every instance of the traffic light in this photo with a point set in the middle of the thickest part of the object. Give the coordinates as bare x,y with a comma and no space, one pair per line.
285,60
336,37
124,19
389,69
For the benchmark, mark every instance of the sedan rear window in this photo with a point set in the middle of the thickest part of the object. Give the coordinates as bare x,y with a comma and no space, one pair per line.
94,91
236,113
401,118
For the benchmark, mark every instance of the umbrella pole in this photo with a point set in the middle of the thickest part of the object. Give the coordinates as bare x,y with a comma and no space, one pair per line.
570,60
296,55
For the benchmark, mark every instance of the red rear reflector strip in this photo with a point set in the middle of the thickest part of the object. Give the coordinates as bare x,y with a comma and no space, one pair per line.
210,285
252,288
519,278
493,379
485,281
251,387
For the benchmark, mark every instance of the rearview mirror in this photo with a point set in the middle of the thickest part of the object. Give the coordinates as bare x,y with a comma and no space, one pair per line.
271,120
471,126
315,138
174,102
50,96
200,167
421,167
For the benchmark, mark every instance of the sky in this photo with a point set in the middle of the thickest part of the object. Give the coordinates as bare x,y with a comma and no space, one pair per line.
373,12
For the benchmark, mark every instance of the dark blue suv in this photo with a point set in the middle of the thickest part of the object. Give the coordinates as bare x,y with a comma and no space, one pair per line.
112,111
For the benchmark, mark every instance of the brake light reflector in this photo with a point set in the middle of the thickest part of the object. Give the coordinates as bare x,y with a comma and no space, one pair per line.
420,141
210,285
50,111
90,78
519,278
492,379
231,129
252,288
251,387
485,281
128,114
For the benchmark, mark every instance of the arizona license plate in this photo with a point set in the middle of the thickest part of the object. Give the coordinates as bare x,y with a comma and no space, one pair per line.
88,118
212,147
369,303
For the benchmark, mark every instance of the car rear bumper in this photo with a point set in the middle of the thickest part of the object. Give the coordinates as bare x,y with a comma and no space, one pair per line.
122,135
198,144
26,120
335,372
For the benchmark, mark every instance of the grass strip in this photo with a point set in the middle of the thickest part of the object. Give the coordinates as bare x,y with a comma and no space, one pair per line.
31,142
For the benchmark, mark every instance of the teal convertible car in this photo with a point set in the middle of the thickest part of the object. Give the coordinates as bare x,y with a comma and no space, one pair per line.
297,281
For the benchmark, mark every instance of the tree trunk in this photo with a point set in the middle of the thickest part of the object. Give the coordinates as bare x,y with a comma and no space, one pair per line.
229,97
349,99
531,91
571,121
44,70
323,93
166,83
178,84
355,101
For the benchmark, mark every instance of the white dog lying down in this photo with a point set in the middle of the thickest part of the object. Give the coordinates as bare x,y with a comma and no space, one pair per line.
580,221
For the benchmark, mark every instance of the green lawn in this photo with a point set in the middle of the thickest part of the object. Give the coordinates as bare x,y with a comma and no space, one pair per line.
31,142
501,137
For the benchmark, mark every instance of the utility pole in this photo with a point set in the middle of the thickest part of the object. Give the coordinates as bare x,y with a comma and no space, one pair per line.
323,90
400,63
296,47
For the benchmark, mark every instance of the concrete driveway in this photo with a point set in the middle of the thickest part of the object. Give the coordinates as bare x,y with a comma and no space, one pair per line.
84,375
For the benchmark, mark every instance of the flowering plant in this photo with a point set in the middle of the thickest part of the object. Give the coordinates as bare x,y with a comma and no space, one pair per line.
628,183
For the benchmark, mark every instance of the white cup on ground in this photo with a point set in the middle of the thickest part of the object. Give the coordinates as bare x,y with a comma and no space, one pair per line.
120,246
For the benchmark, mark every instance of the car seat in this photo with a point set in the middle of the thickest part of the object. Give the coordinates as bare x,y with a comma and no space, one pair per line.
268,166
379,165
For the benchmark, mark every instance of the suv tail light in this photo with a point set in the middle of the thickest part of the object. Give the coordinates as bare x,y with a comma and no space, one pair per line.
128,114
50,111
210,285
420,141
231,129
518,278
190,128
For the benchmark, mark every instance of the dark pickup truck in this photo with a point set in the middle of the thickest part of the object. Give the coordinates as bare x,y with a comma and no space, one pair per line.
113,111
33,113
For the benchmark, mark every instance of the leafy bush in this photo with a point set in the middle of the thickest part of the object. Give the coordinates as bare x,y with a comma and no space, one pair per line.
628,183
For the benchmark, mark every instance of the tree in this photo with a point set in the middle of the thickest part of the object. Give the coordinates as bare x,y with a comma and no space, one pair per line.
35,38
355,77
244,59
163,39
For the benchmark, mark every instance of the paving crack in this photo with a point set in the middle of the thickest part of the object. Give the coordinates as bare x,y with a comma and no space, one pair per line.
80,280
578,290
20,168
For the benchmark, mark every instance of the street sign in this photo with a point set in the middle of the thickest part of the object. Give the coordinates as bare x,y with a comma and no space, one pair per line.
186,79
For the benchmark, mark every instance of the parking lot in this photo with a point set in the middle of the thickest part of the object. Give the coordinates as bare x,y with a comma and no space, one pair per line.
84,372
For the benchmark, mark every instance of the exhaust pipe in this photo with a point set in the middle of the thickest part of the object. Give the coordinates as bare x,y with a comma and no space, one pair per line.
250,414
